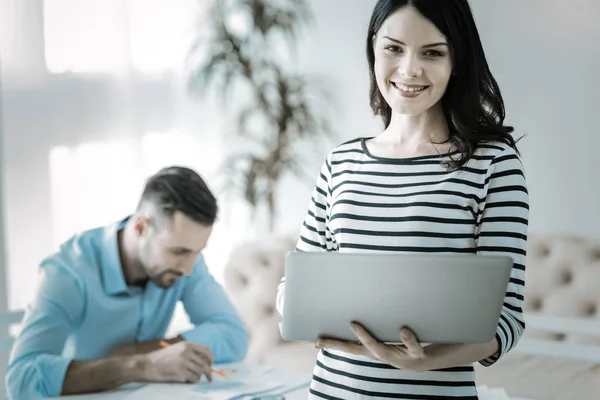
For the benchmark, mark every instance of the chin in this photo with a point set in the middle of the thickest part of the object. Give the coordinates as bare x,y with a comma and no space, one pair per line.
165,285
410,110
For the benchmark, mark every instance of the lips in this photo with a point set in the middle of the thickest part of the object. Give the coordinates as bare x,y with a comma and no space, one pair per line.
409,88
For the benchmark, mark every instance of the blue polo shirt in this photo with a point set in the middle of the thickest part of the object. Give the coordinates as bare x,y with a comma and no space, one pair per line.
84,309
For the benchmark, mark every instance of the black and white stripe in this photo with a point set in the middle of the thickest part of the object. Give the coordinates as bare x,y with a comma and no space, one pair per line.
366,203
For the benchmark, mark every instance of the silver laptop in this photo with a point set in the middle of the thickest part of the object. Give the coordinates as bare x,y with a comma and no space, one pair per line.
441,298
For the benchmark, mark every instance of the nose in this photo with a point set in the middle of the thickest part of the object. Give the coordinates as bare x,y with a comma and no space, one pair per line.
187,268
410,66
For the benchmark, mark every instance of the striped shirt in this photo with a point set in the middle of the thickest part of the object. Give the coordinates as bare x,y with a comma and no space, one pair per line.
364,203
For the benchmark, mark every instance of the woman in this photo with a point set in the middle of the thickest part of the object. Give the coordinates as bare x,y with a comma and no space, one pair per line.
443,177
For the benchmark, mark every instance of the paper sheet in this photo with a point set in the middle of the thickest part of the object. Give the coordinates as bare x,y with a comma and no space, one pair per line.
241,379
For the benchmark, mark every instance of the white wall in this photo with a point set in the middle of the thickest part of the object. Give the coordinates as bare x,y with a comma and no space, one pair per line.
544,54
546,57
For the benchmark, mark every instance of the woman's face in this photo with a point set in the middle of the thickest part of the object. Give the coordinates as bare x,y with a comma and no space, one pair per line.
413,62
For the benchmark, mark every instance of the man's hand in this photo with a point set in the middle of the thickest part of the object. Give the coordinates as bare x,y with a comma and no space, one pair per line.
183,362
410,356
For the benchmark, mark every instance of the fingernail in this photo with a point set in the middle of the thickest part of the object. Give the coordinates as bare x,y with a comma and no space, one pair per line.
405,334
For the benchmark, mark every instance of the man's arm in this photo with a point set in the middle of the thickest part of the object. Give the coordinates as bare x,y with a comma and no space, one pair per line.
217,323
183,362
36,367
145,347
104,374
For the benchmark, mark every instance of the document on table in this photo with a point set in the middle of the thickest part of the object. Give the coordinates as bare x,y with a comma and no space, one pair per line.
241,379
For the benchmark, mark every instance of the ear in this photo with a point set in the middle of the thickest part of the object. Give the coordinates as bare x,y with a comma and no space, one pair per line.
141,225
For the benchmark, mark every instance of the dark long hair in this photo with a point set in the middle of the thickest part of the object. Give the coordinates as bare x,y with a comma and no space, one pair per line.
472,103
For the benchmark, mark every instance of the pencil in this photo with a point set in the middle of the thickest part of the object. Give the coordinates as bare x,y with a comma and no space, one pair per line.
216,371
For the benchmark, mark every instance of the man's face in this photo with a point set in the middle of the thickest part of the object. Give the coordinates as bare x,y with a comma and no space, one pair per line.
169,248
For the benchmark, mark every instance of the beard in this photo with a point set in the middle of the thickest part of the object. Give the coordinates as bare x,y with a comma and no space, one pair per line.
166,279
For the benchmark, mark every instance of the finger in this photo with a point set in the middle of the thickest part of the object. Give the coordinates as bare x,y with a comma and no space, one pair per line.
192,374
199,370
196,360
373,345
202,365
348,347
363,336
200,357
413,347
205,352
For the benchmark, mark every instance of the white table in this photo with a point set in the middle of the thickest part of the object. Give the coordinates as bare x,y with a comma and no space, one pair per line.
188,392
122,395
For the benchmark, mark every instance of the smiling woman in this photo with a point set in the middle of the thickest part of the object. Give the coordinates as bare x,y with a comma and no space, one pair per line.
435,46
443,177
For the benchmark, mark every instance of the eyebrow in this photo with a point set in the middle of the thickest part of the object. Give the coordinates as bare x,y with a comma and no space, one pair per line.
425,46
181,249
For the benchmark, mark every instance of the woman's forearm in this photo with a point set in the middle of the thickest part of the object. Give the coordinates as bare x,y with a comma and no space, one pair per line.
439,356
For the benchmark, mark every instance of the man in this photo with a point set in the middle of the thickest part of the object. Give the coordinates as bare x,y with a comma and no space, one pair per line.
106,299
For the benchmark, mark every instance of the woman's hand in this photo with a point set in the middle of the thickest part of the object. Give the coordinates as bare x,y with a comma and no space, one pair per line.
410,356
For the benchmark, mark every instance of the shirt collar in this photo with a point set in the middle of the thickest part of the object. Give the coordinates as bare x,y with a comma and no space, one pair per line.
110,261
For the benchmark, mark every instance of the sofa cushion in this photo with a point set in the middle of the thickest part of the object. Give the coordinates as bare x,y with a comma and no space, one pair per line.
563,279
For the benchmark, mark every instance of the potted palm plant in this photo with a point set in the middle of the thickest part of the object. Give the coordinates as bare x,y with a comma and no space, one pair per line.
281,111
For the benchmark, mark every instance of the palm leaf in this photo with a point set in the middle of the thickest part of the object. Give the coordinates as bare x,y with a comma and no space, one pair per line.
285,108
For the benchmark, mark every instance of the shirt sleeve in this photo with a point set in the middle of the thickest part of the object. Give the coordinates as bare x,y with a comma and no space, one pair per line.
217,323
36,366
315,234
502,230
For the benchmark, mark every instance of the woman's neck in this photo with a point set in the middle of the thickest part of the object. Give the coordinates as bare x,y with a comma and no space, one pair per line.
417,130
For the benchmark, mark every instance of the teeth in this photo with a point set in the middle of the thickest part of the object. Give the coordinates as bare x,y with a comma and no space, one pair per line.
410,89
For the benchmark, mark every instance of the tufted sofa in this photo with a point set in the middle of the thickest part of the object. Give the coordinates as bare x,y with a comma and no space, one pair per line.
251,277
559,354
558,357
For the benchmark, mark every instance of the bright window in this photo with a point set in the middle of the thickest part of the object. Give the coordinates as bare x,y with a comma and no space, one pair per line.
94,36
95,183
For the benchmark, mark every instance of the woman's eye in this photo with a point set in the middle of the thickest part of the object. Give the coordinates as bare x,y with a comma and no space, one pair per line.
393,49
434,53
